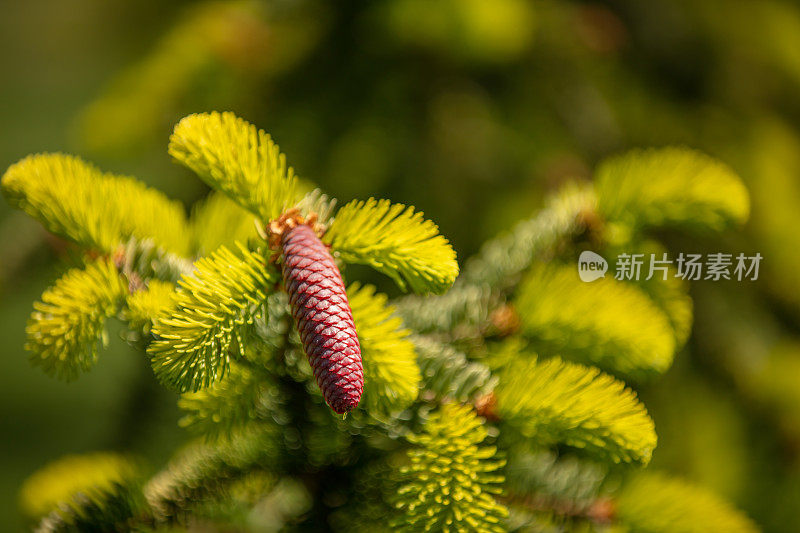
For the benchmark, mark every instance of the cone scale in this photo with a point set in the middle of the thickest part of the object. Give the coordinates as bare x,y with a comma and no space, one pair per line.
324,320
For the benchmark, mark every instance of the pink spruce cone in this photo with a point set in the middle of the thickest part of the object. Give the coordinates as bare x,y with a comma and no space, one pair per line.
320,307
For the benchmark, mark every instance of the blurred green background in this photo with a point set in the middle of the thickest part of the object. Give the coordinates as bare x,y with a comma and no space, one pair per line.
471,110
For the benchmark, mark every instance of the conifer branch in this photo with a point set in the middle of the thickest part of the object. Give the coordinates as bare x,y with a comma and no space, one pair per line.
68,482
101,211
448,374
67,326
671,295
237,158
670,186
197,336
318,204
452,477
396,241
146,304
608,323
561,485
654,503
462,312
228,405
559,402
200,316
201,470
117,508
145,260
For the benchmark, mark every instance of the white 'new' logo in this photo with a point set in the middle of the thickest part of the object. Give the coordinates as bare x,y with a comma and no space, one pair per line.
591,266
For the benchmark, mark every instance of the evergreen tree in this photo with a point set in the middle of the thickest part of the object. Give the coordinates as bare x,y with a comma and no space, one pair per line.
503,401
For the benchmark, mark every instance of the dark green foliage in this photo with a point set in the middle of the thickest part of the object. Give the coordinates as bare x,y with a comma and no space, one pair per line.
447,374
